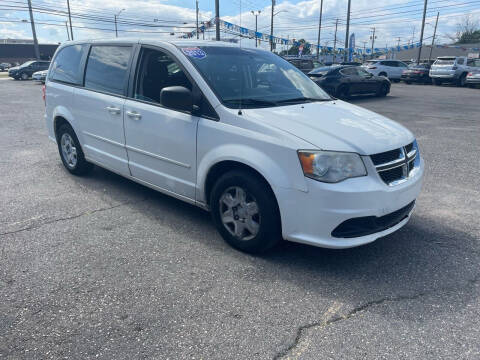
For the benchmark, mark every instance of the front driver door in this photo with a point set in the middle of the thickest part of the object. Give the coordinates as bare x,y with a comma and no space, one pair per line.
161,143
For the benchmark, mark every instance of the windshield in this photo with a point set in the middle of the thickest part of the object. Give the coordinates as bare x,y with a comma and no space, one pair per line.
419,66
445,62
251,78
27,64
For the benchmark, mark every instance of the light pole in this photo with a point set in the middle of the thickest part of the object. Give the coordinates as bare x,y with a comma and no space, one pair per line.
256,24
116,16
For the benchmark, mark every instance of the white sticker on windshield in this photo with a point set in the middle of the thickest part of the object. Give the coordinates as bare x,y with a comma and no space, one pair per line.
194,52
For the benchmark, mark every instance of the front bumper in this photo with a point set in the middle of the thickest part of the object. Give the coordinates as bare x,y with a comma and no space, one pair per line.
311,217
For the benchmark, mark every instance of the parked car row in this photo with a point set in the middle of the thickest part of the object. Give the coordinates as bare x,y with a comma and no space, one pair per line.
26,70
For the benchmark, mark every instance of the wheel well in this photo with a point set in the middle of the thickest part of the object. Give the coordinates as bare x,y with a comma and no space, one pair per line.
59,121
223,167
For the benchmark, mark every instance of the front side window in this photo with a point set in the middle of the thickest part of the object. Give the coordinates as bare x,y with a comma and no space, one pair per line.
156,71
362,72
239,78
107,68
349,71
66,66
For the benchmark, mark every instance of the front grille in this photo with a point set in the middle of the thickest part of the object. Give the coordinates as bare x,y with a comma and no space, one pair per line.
395,166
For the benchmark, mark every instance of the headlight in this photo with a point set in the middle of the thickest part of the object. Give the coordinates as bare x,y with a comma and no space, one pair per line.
331,166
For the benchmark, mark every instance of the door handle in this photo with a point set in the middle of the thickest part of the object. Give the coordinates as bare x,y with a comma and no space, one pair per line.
134,115
113,110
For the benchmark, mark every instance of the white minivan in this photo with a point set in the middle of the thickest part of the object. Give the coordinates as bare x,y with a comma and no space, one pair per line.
237,131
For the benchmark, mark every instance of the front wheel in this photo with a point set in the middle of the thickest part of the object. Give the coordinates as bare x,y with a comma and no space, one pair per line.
71,152
245,211
24,76
383,90
343,92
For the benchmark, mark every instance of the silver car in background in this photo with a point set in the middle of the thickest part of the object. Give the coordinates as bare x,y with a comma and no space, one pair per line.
450,69
40,75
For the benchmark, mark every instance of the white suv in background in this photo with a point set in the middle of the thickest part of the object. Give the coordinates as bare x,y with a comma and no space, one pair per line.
391,69
269,153
451,69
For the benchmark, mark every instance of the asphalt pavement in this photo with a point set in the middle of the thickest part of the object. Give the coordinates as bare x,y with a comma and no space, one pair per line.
101,267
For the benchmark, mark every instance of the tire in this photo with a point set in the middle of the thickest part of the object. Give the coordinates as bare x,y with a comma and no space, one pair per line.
71,152
437,82
462,80
254,227
382,90
396,80
343,92
408,82
24,76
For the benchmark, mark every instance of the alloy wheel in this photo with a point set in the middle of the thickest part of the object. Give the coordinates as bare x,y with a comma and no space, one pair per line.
239,213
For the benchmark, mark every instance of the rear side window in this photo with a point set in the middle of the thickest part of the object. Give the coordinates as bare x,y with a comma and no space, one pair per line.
66,67
107,68
460,61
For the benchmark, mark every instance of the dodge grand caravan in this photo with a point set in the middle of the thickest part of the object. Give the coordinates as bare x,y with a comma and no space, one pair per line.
237,131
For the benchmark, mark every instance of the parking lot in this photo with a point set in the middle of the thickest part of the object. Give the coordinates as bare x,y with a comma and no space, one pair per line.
102,267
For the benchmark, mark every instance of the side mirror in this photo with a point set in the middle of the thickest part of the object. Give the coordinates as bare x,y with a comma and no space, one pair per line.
177,98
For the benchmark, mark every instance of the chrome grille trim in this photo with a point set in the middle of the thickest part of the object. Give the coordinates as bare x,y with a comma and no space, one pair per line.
404,161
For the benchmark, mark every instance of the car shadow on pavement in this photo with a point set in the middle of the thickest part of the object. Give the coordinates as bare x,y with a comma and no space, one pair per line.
425,256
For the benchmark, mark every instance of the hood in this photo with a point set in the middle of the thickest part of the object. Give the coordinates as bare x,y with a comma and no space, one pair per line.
337,126
14,68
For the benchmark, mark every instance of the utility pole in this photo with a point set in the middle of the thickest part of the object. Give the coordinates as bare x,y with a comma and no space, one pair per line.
35,41
347,48
196,3
373,40
68,33
421,32
319,29
217,20
335,42
115,17
364,49
256,25
69,19
271,26
433,39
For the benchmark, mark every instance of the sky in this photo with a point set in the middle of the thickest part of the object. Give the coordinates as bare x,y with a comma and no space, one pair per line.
395,21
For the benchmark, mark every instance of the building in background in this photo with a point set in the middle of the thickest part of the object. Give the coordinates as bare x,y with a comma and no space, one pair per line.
20,50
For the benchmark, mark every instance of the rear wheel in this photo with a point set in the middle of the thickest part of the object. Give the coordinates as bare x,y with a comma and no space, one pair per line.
462,80
71,152
245,211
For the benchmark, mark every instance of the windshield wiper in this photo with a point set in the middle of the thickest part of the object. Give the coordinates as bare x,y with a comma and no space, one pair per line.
300,100
251,101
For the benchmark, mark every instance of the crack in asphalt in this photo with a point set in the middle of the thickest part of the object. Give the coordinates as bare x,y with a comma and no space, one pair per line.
89,212
358,309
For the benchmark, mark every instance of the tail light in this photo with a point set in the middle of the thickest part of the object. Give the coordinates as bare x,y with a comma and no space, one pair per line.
44,93
470,74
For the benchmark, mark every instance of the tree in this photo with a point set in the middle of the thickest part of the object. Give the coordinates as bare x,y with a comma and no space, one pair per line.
294,49
468,31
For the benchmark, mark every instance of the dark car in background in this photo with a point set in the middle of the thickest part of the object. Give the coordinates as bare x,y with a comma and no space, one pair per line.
5,66
26,70
343,81
417,73
304,65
